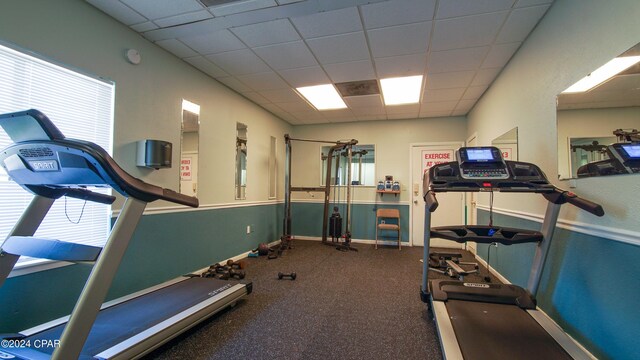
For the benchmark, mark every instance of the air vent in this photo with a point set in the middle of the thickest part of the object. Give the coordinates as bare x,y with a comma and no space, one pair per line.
212,3
358,88
36,152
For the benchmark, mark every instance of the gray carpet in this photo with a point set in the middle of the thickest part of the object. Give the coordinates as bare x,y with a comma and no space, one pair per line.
343,305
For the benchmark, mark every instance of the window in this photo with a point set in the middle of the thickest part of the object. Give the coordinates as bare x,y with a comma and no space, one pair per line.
363,167
82,108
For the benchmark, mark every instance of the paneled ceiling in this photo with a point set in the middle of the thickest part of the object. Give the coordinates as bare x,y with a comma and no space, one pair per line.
264,49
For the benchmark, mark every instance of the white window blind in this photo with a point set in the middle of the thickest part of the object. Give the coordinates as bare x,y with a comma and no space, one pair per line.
82,108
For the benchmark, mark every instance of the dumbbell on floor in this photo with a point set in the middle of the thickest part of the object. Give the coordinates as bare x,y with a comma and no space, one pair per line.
292,275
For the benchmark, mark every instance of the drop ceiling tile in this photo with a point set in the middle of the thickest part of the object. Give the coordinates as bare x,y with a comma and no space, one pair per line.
206,66
468,31
286,56
450,80
176,47
350,71
241,6
525,3
458,112
239,62
485,76
263,81
119,11
454,8
434,113
404,65
256,97
499,55
403,109
309,117
474,92
281,96
359,112
307,76
371,117
439,106
156,9
520,23
465,105
234,84
399,40
183,18
275,109
295,106
340,48
213,43
367,101
145,26
338,114
328,23
442,95
285,2
267,33
456,60
390,13
402,116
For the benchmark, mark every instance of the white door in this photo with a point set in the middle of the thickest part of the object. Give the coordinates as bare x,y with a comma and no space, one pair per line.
471,202
451,205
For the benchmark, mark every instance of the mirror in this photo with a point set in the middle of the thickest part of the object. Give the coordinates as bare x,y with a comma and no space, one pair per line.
363,166
189,147
590,120
508,143
241,161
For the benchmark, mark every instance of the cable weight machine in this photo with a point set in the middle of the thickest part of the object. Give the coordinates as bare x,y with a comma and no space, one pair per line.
339,146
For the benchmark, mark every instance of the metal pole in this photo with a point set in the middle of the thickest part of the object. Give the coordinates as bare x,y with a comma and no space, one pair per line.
95,290
542,249
425,255
26,226
287,187
349,157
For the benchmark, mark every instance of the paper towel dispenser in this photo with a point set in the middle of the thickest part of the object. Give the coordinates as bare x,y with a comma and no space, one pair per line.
154,154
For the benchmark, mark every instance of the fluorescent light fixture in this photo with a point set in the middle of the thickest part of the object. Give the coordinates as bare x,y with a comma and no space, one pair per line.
401,90
602,74
190,107
322,97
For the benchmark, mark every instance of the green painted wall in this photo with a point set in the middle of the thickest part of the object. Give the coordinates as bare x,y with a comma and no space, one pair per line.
306,220
164,246
589,285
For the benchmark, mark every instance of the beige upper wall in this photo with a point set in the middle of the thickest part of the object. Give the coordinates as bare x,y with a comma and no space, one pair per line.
148,101
392,140
574,38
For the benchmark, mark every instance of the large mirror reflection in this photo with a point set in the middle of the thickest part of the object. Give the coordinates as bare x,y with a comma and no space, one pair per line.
363,166
189,145
508,144
597,112
241,161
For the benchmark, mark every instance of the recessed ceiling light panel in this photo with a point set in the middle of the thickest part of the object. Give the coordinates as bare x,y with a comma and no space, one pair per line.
401,90
322,97
602,74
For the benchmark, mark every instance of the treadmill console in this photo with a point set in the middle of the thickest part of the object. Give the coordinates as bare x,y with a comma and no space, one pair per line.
484,162
624,158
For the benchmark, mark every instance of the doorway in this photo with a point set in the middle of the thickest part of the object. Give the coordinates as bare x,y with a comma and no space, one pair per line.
451,205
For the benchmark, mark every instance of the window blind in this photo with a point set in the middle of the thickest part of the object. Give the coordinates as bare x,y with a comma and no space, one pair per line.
82,108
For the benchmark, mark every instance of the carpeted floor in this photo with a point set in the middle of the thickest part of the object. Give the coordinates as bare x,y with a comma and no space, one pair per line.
343,305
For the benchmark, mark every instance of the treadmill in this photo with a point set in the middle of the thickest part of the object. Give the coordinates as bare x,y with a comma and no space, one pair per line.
486,320
624,158
51,166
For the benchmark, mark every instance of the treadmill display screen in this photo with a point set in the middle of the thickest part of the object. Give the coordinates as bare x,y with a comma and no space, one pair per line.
480,155
632,150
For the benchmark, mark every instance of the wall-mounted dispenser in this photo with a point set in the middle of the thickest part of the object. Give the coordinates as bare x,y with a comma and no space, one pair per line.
154,154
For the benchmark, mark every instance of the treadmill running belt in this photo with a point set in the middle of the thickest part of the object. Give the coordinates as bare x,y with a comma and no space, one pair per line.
119,322
498,331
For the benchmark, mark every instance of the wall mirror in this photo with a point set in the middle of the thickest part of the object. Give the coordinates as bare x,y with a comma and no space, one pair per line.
363,166
241,161
508,143
599,114
189,147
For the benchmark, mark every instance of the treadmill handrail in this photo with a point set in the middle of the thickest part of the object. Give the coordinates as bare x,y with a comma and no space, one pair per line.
111,173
